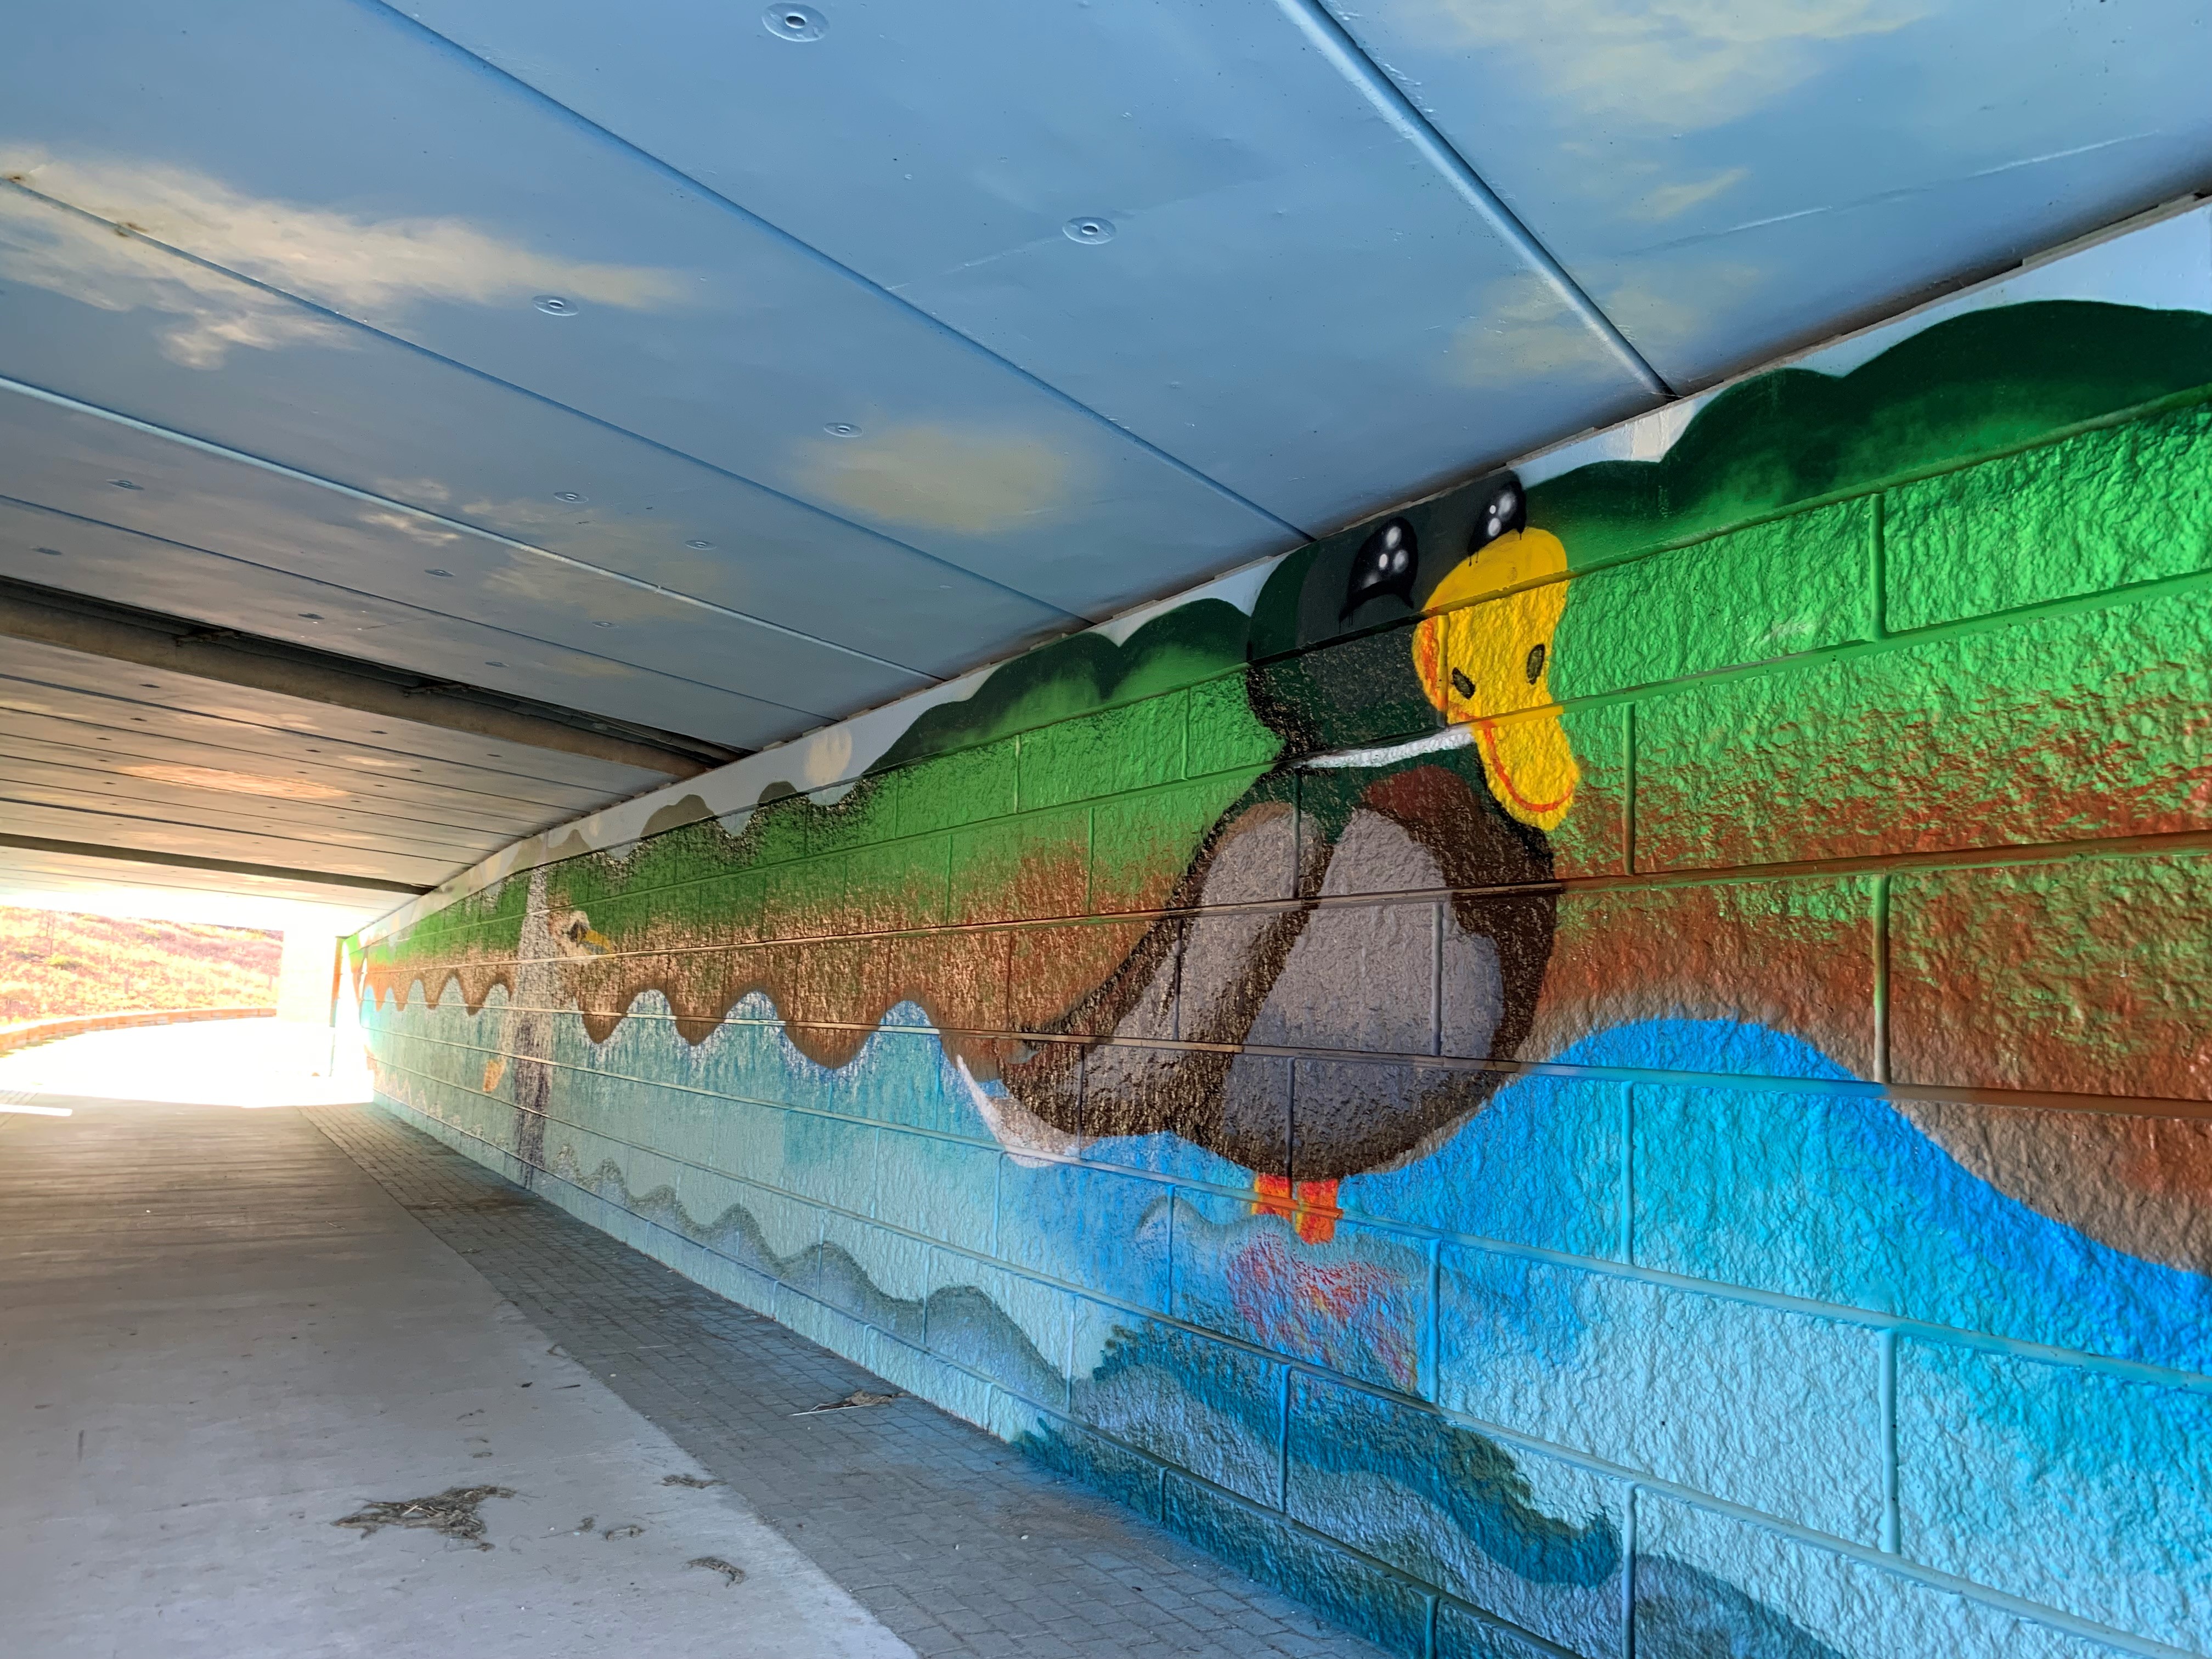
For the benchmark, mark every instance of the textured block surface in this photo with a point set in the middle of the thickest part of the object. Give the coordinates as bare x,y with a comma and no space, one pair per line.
1769,1409
2130,503
2015,736
2079,978
2078,1491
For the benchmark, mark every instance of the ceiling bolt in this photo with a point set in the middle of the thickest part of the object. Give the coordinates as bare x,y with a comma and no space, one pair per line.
793,23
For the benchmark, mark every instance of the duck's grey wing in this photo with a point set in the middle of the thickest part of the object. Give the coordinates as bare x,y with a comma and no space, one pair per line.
1394,977
1195,979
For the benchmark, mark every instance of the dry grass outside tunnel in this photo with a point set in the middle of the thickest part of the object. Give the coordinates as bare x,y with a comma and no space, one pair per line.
55,963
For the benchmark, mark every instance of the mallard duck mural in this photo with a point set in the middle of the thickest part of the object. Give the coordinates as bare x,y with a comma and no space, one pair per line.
1282,933
1398,731
1301,1049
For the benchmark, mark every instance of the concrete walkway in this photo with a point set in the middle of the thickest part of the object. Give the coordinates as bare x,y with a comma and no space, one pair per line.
221,1331
218,1336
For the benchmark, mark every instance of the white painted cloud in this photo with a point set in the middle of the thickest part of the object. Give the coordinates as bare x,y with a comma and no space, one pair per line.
942,478
119,258
1520,330
1680,66
1662,201
829,758
212,312
414,489
1671,304
427,532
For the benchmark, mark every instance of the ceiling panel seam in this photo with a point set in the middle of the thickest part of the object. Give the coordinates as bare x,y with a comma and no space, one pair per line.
380,598
522,818
1350,59
118,763
769,228
154,878
385,503
377,839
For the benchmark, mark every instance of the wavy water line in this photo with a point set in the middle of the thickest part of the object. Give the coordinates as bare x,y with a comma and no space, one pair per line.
2109,1309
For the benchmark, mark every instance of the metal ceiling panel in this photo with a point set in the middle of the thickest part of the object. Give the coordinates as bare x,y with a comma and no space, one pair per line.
1292,299
48,785
375,743
149,829
344,403
415,190
74,721
118,564
162,764
127,710
121,473
1729,180
48,735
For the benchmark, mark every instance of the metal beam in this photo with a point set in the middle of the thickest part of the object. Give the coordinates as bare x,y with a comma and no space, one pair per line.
125,633
86,849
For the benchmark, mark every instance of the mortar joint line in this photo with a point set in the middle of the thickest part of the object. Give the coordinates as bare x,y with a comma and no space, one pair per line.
1892,1519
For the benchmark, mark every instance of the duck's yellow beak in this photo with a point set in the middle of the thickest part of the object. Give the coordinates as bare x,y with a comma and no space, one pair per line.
579,938
1489,664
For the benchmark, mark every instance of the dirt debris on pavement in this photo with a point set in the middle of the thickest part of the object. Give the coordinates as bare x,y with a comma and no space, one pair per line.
452,1513
858,1397
731,1572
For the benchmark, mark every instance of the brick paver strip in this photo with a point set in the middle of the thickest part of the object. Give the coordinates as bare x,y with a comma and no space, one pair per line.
951,1538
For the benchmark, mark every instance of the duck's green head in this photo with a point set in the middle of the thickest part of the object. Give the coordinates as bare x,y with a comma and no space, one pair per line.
1484,593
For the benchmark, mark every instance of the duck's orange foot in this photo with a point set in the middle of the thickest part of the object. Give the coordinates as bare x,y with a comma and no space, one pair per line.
1309,1206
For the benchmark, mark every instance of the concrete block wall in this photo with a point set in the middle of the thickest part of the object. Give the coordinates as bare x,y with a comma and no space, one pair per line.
1612,1063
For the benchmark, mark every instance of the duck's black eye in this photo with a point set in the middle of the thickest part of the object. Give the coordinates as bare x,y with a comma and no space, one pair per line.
1384,564
1504,509
1462,684
576,931
1533,668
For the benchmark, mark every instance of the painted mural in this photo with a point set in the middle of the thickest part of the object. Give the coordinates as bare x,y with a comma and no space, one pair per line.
1617,1059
